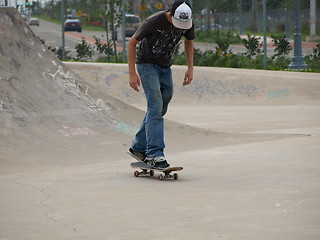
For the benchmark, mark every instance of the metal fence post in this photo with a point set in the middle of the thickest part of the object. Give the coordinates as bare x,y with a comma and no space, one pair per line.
124,31
287,21
62,31
264,34
297,60
241,18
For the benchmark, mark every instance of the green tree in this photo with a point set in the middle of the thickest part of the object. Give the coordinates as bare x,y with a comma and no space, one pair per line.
113,19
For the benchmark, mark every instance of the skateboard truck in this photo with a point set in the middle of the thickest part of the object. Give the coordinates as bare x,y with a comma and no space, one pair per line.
148,170
160,176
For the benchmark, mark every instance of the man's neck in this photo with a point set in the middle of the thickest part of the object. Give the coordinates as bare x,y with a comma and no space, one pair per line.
168,16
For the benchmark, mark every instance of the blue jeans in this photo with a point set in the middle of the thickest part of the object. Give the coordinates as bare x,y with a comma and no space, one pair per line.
158,88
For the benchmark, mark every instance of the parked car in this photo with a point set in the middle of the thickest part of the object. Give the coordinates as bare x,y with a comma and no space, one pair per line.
72,25
34,21
132,24
70,16
213,26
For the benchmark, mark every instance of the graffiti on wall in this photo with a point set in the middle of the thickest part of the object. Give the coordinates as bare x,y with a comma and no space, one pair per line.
220,88
280,93
203,89
68,131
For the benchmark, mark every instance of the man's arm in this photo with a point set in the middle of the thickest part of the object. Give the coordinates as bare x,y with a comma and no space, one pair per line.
188,47
134,79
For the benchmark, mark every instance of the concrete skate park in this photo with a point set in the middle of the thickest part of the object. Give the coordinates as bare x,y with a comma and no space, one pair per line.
249,142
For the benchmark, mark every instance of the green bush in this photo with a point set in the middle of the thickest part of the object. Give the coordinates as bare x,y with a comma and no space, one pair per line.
84,51
216,59
313,60
283,46
240,61
253,46
213,36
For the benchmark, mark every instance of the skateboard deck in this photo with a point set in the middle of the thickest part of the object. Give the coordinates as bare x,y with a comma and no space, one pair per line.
148,170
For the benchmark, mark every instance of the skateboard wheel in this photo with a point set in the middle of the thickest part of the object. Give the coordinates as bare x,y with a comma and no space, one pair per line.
136,174
175,176
151,173
160,177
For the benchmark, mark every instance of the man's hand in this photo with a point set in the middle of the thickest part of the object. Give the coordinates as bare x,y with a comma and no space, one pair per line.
188,77
188,46
134,81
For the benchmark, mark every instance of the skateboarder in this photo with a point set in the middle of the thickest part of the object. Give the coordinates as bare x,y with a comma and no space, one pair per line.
158,36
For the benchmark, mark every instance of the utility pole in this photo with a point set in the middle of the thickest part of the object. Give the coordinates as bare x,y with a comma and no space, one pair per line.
313,20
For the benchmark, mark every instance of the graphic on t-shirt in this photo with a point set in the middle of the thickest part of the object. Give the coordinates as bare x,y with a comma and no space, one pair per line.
164,41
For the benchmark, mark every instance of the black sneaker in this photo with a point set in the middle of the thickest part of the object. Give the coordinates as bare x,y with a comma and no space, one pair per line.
157,162
140,156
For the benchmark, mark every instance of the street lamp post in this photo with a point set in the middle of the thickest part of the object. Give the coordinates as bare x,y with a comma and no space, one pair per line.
297,60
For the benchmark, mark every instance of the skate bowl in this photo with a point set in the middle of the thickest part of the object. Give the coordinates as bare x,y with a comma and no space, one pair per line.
248,142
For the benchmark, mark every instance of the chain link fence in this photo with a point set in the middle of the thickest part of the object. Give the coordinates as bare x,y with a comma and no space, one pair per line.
245,17
228,28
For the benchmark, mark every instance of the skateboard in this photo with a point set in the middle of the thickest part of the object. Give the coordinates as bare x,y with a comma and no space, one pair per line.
148,170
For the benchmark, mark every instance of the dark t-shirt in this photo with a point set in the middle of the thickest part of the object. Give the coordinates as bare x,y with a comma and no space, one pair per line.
158,40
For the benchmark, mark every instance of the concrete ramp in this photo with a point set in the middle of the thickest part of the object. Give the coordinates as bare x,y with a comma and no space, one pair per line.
45,106
212,86
47,113
65,174
228,100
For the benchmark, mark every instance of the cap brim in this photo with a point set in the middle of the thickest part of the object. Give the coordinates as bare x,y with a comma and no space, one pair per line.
181,24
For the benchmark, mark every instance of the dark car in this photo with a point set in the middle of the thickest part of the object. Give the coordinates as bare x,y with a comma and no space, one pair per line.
72,25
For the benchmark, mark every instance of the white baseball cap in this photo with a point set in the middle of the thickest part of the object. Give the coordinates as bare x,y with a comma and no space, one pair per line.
181,15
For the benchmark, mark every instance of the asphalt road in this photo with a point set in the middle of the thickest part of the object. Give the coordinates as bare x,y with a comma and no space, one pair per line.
51,34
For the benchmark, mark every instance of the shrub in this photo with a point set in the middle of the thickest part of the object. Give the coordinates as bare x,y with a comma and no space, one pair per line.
84,51
103,48
212,36
253,45
224,43
313,60
282,45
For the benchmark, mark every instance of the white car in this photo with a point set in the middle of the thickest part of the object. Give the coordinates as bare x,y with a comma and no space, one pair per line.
34,21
